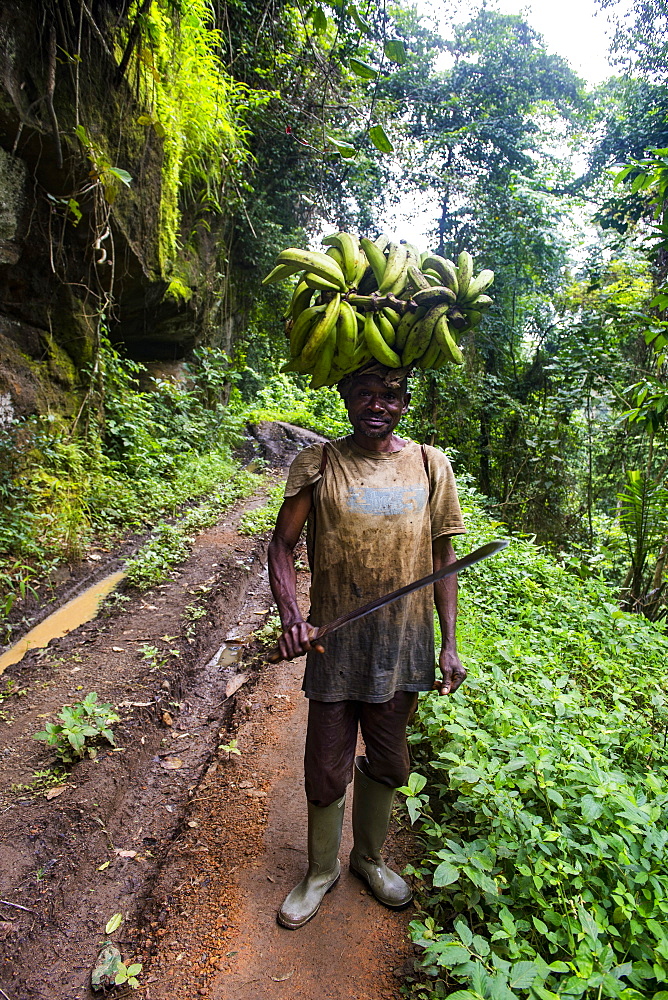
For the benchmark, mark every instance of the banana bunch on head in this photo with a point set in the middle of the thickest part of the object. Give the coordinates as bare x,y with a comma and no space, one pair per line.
366,300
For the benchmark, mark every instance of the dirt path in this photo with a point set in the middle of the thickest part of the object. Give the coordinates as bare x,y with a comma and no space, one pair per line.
194,849
223,941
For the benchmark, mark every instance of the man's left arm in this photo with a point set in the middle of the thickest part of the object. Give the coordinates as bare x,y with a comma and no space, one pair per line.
445,599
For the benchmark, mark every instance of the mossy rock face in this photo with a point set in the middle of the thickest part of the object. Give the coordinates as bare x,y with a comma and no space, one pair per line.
60,365
36,373
13,200
74,327
57,265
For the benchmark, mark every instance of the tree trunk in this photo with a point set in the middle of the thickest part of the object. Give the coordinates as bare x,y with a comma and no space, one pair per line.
484,479
657,579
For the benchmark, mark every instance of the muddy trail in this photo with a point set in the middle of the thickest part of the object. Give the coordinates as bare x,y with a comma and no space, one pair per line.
193,826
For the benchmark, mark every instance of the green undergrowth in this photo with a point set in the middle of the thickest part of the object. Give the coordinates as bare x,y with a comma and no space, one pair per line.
290,400
169,544
197,111
540,792
141,450
262,519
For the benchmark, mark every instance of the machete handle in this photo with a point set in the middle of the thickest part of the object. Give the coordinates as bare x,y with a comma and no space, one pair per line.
274,654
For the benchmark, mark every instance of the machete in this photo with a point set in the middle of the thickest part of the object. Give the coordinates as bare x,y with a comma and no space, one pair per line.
484,552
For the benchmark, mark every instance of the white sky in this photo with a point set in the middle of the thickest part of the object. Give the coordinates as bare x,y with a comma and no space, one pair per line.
576,29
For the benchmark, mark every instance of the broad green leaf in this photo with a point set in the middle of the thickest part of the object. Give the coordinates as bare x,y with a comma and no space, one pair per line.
362,69
591,808
380,140
588,924
346,149
319,20
498,989
464,931
122,175
416,782
545,994
450,954
360,21
522,975
481,945
395,51
445,874
466,774
414,808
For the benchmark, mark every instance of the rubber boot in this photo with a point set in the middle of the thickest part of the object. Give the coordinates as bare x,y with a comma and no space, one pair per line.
324,838
372,805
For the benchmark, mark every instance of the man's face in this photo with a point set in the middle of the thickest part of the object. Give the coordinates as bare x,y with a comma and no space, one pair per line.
375,409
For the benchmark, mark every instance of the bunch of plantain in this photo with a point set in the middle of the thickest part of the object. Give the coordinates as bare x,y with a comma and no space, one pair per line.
365,301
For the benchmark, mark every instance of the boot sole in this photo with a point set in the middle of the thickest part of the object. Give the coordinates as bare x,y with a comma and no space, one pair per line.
295,926
390,906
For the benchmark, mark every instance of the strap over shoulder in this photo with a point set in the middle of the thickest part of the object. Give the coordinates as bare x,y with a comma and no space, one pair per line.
323,460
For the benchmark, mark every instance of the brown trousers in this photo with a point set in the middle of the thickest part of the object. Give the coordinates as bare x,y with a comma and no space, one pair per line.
331,740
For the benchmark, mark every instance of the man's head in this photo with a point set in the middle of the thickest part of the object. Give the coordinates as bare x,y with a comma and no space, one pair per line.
374,407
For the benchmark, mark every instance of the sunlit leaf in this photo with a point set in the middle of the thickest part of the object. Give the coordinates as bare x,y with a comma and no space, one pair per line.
445,874
360,21
319,20
113,923
379,138
346,149
122,175
362,69
395,51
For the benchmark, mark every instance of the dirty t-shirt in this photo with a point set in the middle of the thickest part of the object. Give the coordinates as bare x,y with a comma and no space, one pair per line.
370,532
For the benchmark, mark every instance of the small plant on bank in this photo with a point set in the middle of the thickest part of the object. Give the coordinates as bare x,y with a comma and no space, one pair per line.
110,970
114,602
11,690
270,631
80,726
229,748
153,656
50,777
192,614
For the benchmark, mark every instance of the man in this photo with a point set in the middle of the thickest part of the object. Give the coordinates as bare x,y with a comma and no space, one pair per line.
381,512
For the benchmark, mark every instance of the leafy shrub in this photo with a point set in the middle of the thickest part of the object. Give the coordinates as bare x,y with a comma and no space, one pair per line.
61,488
169,544
281,397
80,726
541,791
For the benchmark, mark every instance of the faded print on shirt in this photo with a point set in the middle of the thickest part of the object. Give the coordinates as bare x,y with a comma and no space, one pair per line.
369,532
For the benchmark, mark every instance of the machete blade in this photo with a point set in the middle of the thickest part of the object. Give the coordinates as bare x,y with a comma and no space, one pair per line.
484,552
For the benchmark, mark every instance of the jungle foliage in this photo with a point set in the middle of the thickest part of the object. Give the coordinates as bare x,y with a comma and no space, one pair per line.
540,791
275,122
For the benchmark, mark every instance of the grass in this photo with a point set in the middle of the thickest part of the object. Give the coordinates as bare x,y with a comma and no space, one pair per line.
262,519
